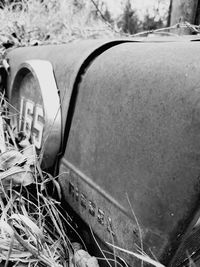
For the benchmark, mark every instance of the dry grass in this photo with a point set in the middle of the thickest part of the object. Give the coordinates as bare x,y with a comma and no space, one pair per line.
32,229
32,22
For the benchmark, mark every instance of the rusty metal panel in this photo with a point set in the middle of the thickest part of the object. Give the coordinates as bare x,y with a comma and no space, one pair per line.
135,136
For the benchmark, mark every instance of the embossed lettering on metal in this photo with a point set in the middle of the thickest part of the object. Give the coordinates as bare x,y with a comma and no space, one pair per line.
71,189
110,226
76,193
101,216
35,99
83,201
92,208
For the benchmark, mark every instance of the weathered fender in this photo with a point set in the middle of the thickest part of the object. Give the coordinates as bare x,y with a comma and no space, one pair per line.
134,145
33,87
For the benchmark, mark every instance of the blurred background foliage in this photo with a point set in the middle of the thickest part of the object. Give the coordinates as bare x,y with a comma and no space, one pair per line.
32,22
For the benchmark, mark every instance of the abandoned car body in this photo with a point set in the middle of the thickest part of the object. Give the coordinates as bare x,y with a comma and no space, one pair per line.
121,120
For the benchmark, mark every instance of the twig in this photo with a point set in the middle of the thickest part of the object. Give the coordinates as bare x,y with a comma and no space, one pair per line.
104,18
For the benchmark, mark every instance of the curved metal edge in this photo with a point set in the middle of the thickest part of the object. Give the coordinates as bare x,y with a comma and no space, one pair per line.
81,67
42,71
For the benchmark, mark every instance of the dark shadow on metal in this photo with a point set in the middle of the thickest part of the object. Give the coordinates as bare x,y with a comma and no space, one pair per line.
75,90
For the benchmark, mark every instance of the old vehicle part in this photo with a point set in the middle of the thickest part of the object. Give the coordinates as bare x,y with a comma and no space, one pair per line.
35,96
130,131
34,86
135,135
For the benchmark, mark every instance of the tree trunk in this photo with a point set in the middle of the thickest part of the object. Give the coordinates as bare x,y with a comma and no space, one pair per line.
169,14
183,10
197,19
